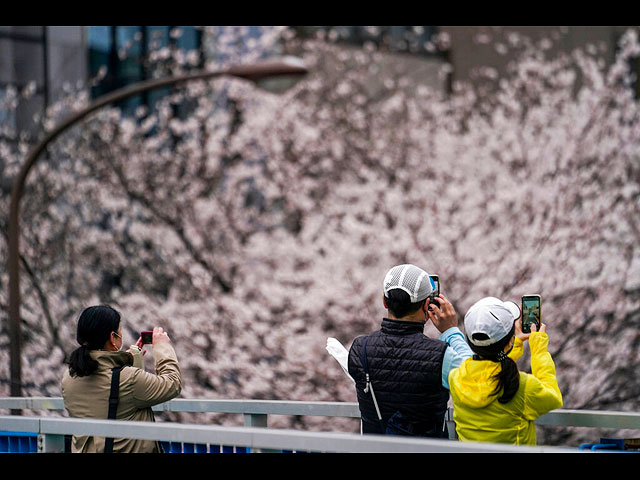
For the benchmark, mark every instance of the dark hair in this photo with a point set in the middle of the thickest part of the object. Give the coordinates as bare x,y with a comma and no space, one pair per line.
399,303
94,330
509,376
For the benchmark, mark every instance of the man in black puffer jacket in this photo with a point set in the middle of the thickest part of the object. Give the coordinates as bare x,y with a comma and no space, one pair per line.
406,391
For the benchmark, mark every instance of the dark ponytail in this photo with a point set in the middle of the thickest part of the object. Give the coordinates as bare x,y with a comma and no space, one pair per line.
509,376
94,330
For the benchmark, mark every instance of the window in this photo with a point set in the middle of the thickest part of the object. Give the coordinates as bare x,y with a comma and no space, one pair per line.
23,61
400,39
119,56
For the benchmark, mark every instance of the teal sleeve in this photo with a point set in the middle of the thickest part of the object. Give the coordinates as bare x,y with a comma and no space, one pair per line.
457,351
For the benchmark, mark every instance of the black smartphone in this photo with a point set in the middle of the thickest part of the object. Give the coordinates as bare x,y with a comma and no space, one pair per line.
147,337
531,312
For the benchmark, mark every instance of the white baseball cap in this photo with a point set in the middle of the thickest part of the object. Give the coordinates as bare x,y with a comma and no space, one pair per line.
413,280
491,317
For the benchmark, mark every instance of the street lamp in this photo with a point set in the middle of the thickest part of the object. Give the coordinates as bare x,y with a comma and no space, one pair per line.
256,72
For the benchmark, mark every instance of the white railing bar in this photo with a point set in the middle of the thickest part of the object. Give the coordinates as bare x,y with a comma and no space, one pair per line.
591,418
32,403
274,407
271,407
560,417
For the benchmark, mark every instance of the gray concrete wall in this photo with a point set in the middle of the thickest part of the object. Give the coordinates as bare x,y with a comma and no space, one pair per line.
467,51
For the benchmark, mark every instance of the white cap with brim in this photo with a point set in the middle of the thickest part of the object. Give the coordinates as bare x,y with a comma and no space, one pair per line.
491,317
411,279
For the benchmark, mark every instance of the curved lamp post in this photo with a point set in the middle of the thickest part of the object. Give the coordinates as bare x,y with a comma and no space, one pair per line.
286,66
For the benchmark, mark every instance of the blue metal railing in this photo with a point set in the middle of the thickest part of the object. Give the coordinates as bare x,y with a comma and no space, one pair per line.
18,442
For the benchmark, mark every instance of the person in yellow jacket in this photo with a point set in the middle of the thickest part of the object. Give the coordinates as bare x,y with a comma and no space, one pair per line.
492,400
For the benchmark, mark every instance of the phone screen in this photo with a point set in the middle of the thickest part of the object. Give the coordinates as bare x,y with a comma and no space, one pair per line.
530,312
436,282
147,337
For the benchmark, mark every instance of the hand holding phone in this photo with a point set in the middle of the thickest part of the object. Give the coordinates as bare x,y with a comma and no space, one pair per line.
160,336
443,315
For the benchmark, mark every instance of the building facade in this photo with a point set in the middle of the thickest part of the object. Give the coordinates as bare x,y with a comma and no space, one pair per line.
56,59
47,59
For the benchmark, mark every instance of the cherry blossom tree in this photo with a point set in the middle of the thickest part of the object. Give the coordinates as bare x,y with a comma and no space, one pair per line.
252,226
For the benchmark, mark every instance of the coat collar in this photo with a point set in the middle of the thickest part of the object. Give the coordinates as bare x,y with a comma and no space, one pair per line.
400,327
112,359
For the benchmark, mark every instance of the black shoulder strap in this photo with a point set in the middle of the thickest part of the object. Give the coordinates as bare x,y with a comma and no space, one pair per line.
369,386
114,398
363,356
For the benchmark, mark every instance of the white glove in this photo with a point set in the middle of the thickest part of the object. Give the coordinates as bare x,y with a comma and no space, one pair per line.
341,354
137,354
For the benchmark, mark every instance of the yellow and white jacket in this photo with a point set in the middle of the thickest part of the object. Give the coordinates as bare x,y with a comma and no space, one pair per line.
478,414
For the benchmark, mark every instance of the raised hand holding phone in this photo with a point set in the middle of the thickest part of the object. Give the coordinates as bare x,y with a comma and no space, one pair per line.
442,313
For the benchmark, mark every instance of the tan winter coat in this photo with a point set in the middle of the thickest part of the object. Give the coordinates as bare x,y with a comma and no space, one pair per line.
88,397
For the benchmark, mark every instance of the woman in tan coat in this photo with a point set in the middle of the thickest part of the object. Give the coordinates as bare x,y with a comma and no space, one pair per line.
86,385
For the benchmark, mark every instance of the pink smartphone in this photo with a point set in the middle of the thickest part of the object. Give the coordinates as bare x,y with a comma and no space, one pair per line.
147,337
